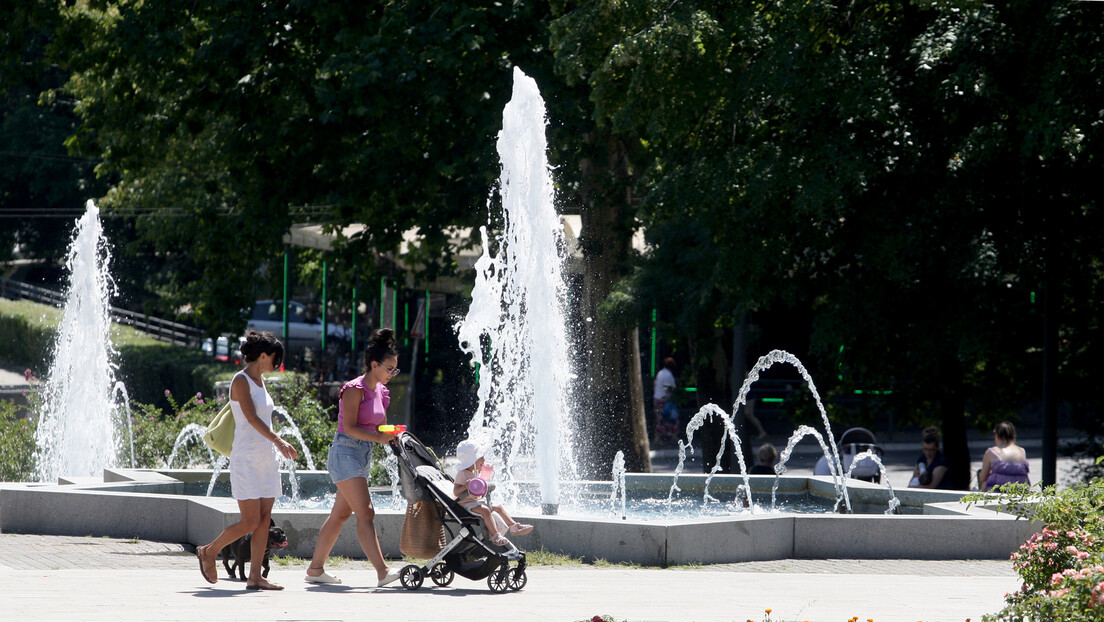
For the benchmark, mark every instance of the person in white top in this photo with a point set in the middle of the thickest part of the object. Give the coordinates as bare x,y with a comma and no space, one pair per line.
664,407
254,471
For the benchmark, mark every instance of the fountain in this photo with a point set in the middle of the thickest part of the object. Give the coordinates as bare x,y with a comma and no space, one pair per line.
515,305
77,432
515,329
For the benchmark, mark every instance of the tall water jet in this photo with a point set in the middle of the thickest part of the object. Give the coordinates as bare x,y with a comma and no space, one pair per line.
77,433
515,329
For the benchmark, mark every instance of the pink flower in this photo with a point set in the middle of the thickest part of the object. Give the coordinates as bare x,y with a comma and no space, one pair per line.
199,395
167,392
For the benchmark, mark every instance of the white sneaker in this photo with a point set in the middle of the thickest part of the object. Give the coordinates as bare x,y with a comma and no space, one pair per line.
392,576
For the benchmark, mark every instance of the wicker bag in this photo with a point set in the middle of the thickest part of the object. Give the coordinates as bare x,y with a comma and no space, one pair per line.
423,535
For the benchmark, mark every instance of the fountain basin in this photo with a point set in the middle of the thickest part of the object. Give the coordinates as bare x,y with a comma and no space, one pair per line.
935,525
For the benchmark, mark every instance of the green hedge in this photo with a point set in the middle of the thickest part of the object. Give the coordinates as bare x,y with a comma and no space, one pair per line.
147,367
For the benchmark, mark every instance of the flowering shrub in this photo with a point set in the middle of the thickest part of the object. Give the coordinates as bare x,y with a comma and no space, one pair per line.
1062,566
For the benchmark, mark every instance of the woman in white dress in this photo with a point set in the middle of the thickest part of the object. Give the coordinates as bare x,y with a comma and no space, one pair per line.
254,470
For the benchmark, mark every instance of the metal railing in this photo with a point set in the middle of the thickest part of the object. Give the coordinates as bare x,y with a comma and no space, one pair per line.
160,329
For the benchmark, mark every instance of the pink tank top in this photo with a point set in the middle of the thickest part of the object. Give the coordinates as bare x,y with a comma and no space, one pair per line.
373,406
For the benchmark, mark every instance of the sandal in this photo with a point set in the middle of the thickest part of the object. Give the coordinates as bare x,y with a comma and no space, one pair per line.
500,540
209,571
520,529
264,586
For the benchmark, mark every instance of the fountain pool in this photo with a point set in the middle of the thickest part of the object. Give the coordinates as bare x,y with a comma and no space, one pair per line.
934,525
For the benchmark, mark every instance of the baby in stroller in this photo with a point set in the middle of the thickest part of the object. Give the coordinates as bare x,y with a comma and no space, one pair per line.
495,518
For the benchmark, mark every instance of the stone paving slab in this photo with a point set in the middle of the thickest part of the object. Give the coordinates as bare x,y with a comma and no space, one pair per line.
74,578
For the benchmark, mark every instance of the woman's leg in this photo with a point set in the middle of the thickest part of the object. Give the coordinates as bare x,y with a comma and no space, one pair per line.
250,510
259,543
355,491
327,536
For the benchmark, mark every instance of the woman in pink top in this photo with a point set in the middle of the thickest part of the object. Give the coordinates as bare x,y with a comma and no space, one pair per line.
361,410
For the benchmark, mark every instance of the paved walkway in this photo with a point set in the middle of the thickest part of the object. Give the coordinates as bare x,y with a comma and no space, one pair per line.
70,578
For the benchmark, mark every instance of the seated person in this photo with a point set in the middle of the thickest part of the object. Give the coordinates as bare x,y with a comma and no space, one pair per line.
932,469
1004,463
495,518
766,458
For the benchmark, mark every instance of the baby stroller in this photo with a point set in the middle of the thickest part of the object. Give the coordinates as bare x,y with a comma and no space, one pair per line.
469,551
852,443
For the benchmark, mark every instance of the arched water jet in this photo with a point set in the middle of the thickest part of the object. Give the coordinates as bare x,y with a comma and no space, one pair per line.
780,356
780,468
894,502
191,433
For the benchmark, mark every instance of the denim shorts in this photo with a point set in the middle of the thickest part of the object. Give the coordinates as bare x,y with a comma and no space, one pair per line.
349,457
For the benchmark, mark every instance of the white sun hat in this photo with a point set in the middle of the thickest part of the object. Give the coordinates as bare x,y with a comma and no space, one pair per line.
467,452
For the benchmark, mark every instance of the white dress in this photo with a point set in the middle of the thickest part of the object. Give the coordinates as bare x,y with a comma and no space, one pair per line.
254,469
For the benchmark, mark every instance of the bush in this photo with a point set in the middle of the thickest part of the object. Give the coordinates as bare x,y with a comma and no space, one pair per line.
17,442
1062,566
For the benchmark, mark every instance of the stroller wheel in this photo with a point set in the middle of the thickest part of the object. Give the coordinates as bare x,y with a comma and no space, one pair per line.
499,580
441,575
411,577
517,579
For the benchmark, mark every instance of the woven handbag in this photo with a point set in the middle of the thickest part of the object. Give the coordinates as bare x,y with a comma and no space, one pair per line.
423,535
220,433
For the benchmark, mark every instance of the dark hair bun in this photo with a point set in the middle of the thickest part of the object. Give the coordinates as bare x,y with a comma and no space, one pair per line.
381,345
258,343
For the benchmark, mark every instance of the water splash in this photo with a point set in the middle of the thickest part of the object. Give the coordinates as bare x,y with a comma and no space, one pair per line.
618,483
515,328
77,432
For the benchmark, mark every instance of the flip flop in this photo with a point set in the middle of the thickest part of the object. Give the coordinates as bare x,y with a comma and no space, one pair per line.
323,579
520,529
210,573
265,586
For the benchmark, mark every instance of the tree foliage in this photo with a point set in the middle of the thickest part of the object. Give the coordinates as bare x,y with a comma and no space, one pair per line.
231,124
909,171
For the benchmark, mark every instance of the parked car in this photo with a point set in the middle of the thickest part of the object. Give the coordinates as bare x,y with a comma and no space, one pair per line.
304,329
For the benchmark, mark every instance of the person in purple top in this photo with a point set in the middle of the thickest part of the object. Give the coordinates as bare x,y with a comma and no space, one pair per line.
361,410
1004,463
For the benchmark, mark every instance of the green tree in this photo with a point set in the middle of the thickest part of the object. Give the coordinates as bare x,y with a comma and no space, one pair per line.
903,170
37,176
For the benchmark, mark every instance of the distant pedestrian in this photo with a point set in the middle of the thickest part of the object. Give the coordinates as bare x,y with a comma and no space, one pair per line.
254,471
663,404
932,469
766,457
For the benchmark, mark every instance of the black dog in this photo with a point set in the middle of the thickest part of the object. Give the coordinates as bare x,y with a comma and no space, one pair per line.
241,551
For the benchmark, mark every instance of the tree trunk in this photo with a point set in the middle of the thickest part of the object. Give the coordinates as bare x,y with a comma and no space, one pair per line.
610,353
952,406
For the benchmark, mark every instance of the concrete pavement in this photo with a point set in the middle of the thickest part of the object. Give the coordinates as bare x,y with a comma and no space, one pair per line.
74,578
